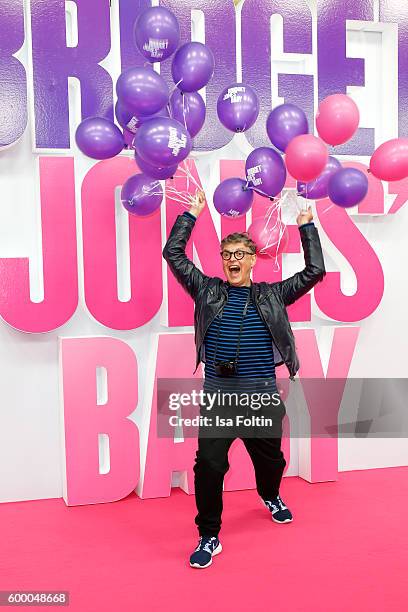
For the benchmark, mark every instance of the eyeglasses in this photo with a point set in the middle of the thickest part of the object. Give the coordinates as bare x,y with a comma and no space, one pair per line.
239,254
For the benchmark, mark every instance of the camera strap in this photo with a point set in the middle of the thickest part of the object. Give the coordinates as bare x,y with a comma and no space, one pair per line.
240,329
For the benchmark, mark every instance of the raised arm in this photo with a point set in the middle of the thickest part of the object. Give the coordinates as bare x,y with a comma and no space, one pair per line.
174,252
295,286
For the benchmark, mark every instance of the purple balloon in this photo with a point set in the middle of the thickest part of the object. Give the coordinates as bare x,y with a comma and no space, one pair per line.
99,138
141,195
265,171
319,187
130,121
284,123
157,33
232,198
347,187
154,171
192,66
189,110
142,91
238,107
162,142
126,119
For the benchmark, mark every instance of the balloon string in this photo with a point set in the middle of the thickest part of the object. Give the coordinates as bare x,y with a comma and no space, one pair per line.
188,175
267,227
256,189
300,204
175,87
276,256
269,219
304,201
186,204
184,197
278,218
178,196
281,232
275,207
186,193
185,169
184,110
168,105
327,209
181,196
284,198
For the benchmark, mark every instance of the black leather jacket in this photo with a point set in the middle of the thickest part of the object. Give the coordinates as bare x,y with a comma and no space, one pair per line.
270,299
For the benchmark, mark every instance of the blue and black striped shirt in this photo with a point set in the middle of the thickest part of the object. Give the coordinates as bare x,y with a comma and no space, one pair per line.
255,358
255,352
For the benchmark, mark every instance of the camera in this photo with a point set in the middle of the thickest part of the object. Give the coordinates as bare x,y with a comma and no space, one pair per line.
226,368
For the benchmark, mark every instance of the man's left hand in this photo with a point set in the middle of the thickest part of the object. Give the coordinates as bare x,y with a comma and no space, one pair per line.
305,216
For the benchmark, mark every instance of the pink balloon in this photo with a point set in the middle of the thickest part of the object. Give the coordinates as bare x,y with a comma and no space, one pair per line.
270,235
306,157
337,119
390,160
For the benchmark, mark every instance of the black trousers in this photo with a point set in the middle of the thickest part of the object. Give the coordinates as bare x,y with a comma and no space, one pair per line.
211,465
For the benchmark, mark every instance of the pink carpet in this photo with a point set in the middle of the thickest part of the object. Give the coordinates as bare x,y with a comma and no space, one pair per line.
347,549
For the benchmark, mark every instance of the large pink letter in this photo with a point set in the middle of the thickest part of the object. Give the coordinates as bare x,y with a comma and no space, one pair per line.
318,454
400,189
84,420
59,257
175,359
364,261
99,237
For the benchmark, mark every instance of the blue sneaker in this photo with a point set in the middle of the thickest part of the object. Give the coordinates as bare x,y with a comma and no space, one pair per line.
208,546
280,512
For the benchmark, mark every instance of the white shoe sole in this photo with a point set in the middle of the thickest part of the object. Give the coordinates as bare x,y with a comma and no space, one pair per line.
282,522
216,552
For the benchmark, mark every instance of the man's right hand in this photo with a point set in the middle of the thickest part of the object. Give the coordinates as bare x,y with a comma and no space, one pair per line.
198,203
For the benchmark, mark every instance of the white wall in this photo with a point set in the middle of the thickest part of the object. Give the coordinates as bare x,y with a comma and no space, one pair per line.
30,458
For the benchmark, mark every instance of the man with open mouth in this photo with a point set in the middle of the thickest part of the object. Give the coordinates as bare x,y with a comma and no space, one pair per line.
242,332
